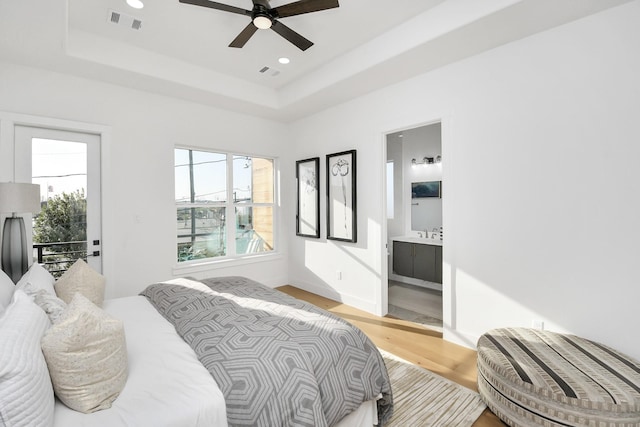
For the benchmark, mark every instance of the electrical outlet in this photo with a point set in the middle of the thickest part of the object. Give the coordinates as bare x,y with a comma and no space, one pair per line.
537,324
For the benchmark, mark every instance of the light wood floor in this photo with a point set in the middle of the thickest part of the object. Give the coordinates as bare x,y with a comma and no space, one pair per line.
410,341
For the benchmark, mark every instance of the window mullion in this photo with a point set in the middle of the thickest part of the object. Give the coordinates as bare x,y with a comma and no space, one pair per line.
230,210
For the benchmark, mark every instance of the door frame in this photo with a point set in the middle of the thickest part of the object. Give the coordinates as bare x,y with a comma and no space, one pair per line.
8,123
23,155
448,264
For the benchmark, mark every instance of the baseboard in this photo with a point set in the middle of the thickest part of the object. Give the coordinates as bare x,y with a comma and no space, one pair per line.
327,292
460,338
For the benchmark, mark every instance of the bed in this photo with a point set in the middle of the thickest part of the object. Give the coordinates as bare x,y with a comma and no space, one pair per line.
230,351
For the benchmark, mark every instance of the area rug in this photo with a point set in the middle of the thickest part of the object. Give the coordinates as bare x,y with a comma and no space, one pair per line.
422,398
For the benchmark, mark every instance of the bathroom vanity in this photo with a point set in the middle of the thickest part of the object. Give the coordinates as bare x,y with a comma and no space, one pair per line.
418,257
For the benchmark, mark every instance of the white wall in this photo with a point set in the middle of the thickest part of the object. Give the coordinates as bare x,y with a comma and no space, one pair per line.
139,228
540,160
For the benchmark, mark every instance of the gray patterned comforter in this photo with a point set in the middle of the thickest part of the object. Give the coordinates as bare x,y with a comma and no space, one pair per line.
279,361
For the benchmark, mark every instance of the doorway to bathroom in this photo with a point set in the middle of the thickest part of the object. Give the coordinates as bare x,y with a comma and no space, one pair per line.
415,235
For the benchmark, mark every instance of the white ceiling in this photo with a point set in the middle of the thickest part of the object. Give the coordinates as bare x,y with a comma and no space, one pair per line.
181,50
201,36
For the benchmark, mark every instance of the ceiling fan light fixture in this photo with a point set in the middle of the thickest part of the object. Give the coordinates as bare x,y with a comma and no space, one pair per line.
262,22
263,16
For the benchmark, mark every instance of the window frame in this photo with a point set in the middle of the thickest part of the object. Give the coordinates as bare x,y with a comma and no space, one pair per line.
231,255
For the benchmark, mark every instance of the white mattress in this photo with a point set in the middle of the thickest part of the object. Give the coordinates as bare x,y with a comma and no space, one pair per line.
167,385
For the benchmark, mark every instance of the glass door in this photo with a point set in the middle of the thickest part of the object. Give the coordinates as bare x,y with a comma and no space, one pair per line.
66,165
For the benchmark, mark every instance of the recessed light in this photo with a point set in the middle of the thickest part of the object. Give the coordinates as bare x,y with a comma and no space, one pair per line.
136,4
284,60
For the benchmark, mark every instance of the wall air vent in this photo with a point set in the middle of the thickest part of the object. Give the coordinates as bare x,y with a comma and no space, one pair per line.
269,71
123,20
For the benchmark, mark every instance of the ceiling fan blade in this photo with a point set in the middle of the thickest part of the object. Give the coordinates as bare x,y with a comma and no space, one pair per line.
292,36
218,6
244,35
303,6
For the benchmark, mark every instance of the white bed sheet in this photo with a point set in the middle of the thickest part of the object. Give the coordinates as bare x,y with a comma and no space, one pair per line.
365,416
167,385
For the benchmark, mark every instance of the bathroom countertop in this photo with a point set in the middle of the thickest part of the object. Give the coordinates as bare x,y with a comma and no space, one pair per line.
421,240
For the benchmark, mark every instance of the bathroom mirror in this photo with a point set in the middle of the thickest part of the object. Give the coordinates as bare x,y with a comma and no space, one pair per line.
416,176
426,213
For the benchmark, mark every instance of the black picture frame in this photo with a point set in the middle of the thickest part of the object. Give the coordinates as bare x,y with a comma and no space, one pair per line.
341,196
308,197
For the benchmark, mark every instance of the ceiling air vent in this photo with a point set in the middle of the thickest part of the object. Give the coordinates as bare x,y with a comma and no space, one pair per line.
123,20
269,71
114,17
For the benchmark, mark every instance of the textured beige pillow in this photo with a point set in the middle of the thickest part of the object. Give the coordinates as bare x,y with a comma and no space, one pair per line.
87,356
83,279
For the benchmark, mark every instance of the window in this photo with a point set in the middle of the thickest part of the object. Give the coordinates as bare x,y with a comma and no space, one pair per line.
390,194
224,204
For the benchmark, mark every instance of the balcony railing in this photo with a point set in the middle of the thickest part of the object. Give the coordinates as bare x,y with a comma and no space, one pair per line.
57,257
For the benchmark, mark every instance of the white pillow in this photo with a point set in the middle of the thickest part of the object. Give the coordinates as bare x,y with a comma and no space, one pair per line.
39,278
6,290
87,356
83,279
26,395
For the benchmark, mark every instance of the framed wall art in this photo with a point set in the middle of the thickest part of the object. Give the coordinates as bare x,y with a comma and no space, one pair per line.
426,189
341,196
308,187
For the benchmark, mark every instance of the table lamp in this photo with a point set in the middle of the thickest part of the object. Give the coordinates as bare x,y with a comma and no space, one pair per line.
16,198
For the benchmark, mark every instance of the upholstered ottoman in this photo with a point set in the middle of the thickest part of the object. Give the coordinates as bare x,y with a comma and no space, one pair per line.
529,377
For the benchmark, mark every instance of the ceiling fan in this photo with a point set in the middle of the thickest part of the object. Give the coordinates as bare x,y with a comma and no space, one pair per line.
264,17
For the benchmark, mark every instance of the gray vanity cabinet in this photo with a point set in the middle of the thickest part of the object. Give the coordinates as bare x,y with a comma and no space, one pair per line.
418,260
403,258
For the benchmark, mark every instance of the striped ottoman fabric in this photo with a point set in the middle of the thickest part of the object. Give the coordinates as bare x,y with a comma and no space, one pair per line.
529,377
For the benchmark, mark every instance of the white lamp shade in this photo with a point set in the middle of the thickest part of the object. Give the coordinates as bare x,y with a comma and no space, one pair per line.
19,197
